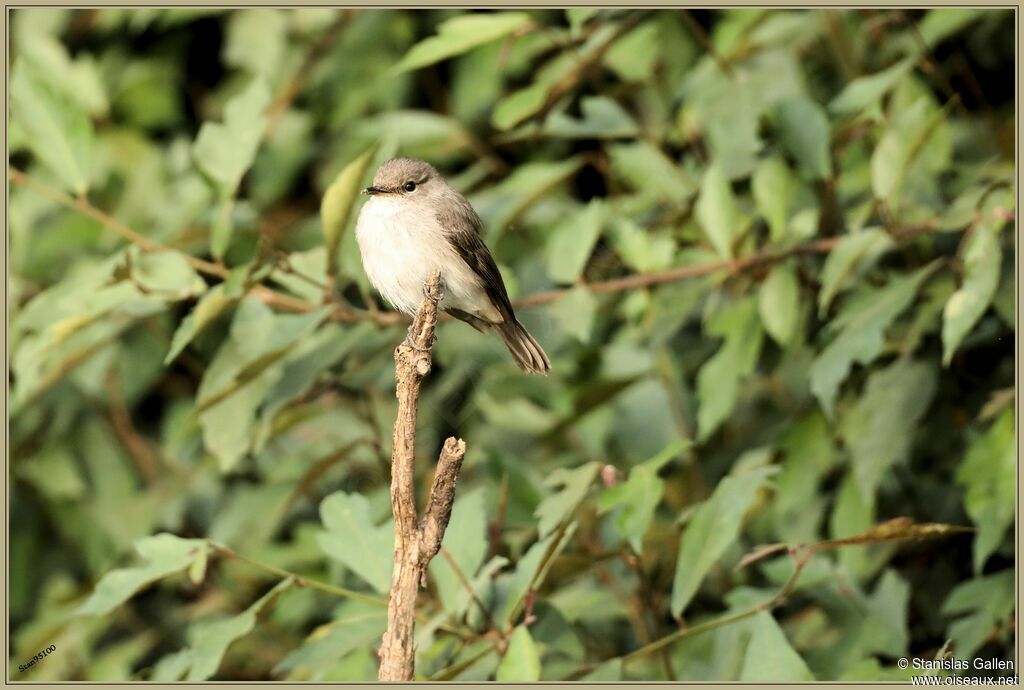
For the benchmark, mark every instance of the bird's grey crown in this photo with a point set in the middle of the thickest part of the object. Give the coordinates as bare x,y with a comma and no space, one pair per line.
395,172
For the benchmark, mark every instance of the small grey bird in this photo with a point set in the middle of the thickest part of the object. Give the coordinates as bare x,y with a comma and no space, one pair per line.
414,224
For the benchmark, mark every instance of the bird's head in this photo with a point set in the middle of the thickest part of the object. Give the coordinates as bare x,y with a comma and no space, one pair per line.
405,177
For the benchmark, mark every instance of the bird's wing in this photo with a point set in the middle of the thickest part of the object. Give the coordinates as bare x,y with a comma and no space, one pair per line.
464,227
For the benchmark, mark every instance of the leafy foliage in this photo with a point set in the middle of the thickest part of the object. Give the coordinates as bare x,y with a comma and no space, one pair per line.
766,251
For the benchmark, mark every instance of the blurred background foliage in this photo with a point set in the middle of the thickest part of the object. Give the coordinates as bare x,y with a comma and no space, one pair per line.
820,203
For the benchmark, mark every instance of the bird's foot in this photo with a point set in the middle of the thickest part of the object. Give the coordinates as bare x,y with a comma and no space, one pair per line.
440,292
408,341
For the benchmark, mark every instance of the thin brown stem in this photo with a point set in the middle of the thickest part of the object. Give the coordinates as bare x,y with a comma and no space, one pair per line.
141,453
672,275
290,91
82,205
344,313
464,581
319,468
799,560
300,580
702,37
587,63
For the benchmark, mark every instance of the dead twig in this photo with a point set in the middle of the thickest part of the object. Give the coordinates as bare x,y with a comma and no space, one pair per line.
417,539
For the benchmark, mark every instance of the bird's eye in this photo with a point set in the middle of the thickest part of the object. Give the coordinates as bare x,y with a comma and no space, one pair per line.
409,186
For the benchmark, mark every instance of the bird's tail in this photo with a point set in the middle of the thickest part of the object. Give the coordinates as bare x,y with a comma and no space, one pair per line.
528,353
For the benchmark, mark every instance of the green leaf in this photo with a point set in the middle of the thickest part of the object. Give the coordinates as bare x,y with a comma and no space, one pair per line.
77,317
940,23
167,274
988,475
500,204
560,505
312,262
420,133
726,109
210,306
770,657
718,381
854,514
283,159
778,302
716,211
256,41
634,56
528,101
715,525
579,17
245,368
172,667
1005,300
648,170
352,539
879,428
224,151
642,249
988,602
774,188
522,660
982,260
532,569
572,242
642,419
862,327
639,496
609,671
302,367
575,312
466,542
227,422
867,90
809,453
165,554
803,130
601,118
211,639
357,625
517,414
56,130
78,80
852,256
888,608
519,105
197,571
915,141
338,201
459,35
54,473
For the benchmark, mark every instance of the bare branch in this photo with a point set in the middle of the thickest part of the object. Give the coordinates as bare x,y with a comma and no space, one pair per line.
417,541
442,498
83,206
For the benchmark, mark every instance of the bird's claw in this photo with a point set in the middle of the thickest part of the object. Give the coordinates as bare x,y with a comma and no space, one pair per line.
408,341
440,292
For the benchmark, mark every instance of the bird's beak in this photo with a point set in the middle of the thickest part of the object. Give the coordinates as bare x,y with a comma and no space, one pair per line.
370,191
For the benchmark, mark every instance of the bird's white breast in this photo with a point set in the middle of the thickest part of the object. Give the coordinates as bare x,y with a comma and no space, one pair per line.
401,247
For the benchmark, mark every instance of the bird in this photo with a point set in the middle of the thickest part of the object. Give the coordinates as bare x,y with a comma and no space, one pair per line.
414,224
